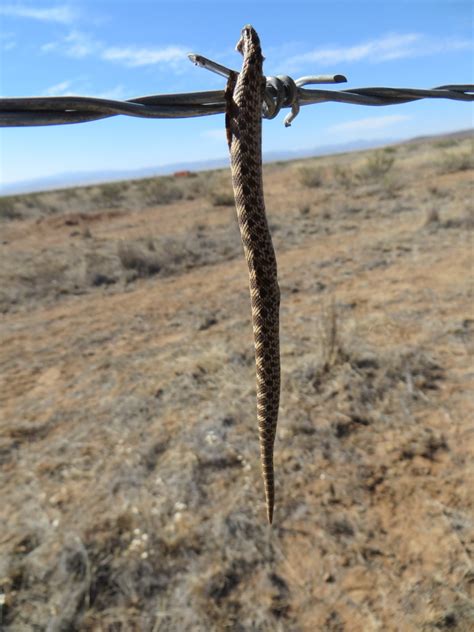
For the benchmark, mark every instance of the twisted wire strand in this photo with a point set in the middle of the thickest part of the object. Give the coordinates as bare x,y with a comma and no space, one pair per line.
281,92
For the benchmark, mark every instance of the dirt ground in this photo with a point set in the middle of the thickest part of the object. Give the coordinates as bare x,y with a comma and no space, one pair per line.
131,496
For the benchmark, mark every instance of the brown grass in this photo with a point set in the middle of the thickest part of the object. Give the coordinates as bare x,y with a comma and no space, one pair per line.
131,489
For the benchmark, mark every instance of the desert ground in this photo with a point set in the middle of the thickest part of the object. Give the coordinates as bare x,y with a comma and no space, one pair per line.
131,494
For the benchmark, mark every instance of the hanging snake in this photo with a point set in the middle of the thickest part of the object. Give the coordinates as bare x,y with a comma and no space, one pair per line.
244,98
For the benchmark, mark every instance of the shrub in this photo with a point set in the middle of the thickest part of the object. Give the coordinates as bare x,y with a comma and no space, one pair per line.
134,257
310,177
452,162
109,195
376,166
8,208
162,191
222,198
343,176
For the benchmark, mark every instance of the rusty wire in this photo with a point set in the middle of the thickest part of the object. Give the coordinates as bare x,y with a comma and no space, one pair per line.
281,92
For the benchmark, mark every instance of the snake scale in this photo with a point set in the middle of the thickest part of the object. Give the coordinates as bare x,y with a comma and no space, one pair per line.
244,98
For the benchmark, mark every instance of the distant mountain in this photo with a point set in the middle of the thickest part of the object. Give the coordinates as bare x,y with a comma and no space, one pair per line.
81,178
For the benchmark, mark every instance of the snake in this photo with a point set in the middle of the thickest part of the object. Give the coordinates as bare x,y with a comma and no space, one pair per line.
244,98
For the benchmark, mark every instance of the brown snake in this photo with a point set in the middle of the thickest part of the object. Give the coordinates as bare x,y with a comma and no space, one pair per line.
244,95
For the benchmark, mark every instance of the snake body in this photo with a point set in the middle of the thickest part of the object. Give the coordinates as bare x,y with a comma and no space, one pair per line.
245,93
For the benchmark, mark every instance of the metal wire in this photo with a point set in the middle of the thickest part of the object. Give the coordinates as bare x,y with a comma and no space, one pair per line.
281,92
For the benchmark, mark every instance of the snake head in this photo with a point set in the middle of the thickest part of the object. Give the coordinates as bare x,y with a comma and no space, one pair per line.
249,41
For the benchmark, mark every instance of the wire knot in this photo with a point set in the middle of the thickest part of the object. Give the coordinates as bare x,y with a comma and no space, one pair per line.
281,92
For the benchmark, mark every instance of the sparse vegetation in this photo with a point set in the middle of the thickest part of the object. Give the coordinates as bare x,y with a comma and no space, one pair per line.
222,198
343,176
8,208
432,217
110,195
311,176
143,260
131,490
446,142
377,165
332,348
459,161
162,191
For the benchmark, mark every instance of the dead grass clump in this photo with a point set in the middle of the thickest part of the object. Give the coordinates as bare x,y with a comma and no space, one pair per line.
432,217
332,348
315,374
362,385
340,526
377,165
304,209
47,275
310,177
20,206
453,162
161,191
466,221
447,142
143,261
222,198
171,255
425,443
100,269
343,176
392,186
110,195
9,208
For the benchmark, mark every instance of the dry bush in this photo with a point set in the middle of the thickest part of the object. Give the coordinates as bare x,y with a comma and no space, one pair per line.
332,348
343,176
447,142
9,208
304,209
160,191
46,276
174,254
453,162
364,385
222,198
432,217
110,195
377,165
310,176
20,206
133,256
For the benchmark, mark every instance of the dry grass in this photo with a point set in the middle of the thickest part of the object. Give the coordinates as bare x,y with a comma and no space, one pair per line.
131,491
457,161
376,166
311,176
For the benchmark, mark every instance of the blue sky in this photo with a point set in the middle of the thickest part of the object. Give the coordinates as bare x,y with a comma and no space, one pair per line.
120,49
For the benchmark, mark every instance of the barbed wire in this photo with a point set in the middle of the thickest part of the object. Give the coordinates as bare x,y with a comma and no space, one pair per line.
281,92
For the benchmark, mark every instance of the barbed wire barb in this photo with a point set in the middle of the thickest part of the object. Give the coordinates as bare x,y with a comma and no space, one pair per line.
281,92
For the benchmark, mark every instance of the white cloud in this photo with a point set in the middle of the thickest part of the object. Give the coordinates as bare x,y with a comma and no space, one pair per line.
59,89
82,86
79,45
389,47
368,126
62,14
76,44
133,56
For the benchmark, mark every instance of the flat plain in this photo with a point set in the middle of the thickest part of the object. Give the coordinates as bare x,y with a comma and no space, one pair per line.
131,495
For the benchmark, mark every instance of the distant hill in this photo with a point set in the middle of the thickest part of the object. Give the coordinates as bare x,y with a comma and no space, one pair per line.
80,178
